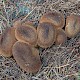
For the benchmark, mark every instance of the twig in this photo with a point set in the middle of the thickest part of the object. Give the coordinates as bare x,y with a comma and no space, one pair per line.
75,74
73,64
36,78
68,59
57,75
27,15
6,13
58,66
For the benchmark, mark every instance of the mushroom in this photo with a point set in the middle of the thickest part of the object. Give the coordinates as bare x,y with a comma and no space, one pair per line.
26,33
26,56
54,17
6,42
18,23
72,25
60,37
46,34
27,23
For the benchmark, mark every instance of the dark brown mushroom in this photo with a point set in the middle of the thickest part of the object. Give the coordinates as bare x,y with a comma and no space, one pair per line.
27,57
46,34
72,25
54,17
60,37
26,33
6,42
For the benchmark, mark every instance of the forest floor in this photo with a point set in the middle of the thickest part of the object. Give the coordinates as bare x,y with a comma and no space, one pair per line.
58,62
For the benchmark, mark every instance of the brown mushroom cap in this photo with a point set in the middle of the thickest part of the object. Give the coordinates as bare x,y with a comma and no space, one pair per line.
60,37
26,33
17,23
54,17
46,34
27,23
72,25
6,42
27,57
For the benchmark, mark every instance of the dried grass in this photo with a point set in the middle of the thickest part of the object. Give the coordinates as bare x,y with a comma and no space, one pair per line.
58,62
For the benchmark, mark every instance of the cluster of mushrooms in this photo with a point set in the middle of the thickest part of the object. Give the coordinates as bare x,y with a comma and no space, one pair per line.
22,39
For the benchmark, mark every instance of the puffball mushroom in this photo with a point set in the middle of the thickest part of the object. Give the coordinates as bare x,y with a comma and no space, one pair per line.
54,17
6,42
26,33
60,37
72,25
46,34
27,57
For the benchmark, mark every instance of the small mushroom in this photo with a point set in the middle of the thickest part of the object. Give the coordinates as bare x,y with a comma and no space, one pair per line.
6,42
54,17
26,56
60,37
17,23
26,33
72,25
46,34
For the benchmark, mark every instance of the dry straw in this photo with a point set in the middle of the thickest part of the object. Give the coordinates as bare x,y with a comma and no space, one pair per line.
59,62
